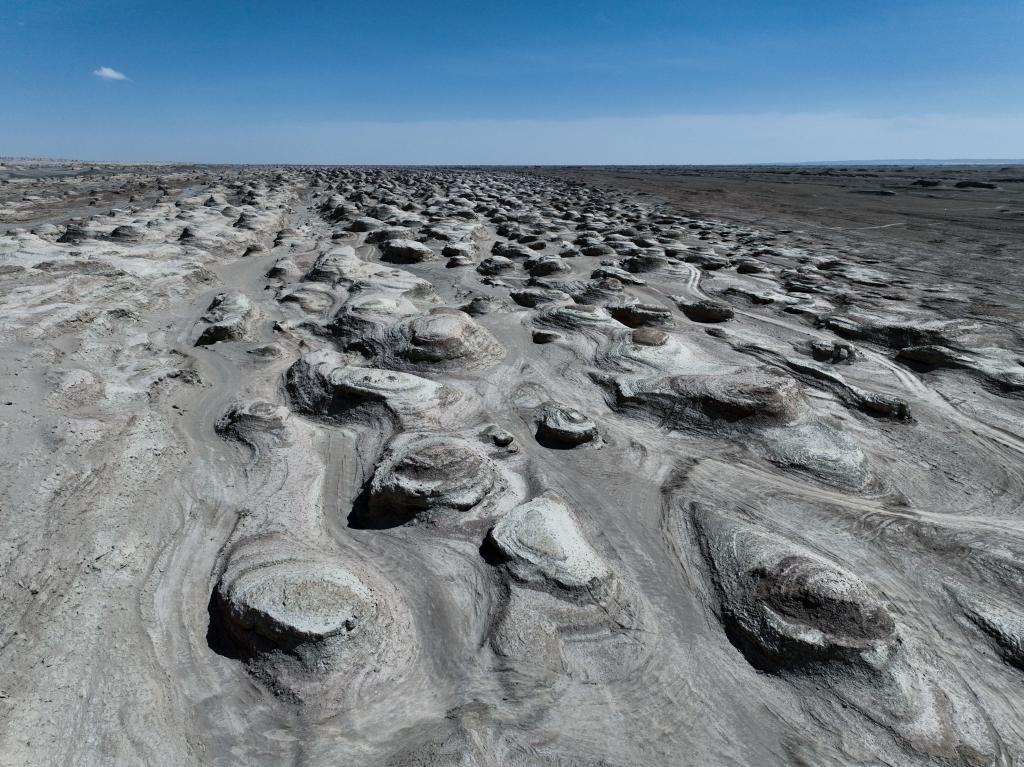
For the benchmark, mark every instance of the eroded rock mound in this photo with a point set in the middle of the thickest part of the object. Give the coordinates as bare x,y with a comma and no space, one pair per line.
1002,623
323,385
429,473
561,426
443,338
298,606
706,311
226,319
699,400
765,411
301,620
541,544
259,424
406,252
897,331
785,607
334,265
582,318
639,315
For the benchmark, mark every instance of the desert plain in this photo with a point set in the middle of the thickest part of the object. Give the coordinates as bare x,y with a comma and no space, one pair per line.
511,466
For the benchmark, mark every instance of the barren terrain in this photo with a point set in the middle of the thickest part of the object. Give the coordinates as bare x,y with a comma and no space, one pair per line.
527,467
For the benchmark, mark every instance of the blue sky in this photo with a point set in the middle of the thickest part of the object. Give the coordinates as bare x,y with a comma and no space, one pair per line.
523,82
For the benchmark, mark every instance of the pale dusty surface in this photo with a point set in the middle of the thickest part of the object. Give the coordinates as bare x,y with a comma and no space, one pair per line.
483,467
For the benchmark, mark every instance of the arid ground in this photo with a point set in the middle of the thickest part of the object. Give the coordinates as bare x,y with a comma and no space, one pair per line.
490,466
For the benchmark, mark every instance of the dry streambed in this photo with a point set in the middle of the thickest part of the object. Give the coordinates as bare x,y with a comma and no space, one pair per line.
411,467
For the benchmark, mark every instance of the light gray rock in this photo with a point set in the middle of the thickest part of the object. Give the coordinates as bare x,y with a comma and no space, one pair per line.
560,426
428,473
227,318
406,252
542,543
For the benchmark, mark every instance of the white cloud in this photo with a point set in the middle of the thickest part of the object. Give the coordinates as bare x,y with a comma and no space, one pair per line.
106,73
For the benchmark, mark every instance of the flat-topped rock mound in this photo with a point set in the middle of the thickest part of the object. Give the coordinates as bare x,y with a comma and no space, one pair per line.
542,543
422,473
291,604
442,338
786,606
324,385
748,397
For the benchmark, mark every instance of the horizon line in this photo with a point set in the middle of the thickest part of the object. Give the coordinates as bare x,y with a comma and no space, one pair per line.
900,161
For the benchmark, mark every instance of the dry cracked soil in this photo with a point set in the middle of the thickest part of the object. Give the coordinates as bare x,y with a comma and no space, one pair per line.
566,466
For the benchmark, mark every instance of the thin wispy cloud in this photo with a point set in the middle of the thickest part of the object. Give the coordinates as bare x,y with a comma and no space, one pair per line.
108,73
